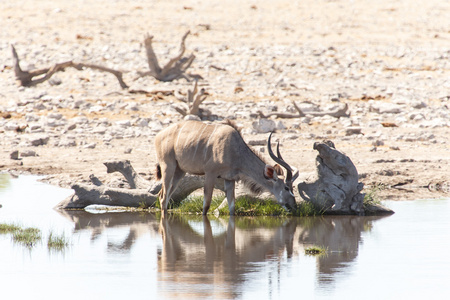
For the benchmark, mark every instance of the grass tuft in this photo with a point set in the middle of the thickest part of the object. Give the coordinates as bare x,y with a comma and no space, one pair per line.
8,228
306,209
316,250
27,237
371,198
57,242
194,204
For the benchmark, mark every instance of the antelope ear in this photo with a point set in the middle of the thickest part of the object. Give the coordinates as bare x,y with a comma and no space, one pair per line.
278,169
270,173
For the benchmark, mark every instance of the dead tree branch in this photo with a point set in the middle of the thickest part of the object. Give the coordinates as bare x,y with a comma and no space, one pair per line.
193,101
26,78
174,69
337,113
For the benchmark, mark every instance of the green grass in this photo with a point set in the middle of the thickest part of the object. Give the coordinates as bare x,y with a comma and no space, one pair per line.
316,250
250,206
194,205
27,237
57,242
306,209
9,228
371,198
245,206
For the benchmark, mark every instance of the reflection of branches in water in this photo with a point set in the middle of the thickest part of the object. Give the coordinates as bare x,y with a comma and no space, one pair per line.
341,235
229,253
124,246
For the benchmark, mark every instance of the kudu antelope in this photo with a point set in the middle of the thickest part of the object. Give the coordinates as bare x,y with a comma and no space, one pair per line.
217,151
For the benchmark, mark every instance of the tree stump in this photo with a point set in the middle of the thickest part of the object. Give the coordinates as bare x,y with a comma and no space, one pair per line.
336,188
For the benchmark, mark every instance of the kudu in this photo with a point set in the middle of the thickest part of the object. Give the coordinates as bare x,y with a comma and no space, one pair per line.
218,151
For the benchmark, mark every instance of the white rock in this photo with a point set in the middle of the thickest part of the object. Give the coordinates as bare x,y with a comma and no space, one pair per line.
264,125
90,146
11,126
28,153
124,123
280,125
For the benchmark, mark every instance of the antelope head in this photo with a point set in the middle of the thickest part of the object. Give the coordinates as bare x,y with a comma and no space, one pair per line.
284,186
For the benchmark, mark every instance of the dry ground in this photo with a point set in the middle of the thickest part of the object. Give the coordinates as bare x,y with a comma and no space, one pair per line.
401,49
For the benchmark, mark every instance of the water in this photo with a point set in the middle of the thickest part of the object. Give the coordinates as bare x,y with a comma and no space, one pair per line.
139,256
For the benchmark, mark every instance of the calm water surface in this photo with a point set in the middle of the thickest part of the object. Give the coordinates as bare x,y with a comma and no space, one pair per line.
141,256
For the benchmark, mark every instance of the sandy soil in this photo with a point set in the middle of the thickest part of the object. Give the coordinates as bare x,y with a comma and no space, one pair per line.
367,54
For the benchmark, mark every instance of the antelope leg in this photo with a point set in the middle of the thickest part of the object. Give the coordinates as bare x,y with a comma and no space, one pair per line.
229,189
208,191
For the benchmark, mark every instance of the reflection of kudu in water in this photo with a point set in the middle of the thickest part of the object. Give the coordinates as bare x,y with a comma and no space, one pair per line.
228,255
223,252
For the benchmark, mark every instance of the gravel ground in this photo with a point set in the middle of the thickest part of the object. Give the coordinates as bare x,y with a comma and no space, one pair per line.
388,61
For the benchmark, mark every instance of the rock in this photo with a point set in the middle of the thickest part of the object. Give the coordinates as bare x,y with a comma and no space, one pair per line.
124,123
66,143
386,108
264,126
156,126
90,146
280,125
14,155
71,127
11,126
192,117
56,116
39,140
352,131
261,142
99,130
28,153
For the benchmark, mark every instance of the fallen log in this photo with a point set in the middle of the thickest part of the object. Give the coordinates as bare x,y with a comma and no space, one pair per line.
142,192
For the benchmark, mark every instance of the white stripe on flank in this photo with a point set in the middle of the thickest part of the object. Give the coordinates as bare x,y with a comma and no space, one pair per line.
198,141
178,137
205,152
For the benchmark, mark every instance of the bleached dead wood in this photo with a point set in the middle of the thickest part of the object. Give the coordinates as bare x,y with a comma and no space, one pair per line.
27,78
336,189
337,113
142,192
193,101
174,69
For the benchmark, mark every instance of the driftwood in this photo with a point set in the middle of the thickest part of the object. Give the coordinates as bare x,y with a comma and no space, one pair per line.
193,101
174,69
337,113
142,192
336,189
27,78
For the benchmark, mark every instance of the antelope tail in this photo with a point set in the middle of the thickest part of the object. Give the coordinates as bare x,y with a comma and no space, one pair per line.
158,172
